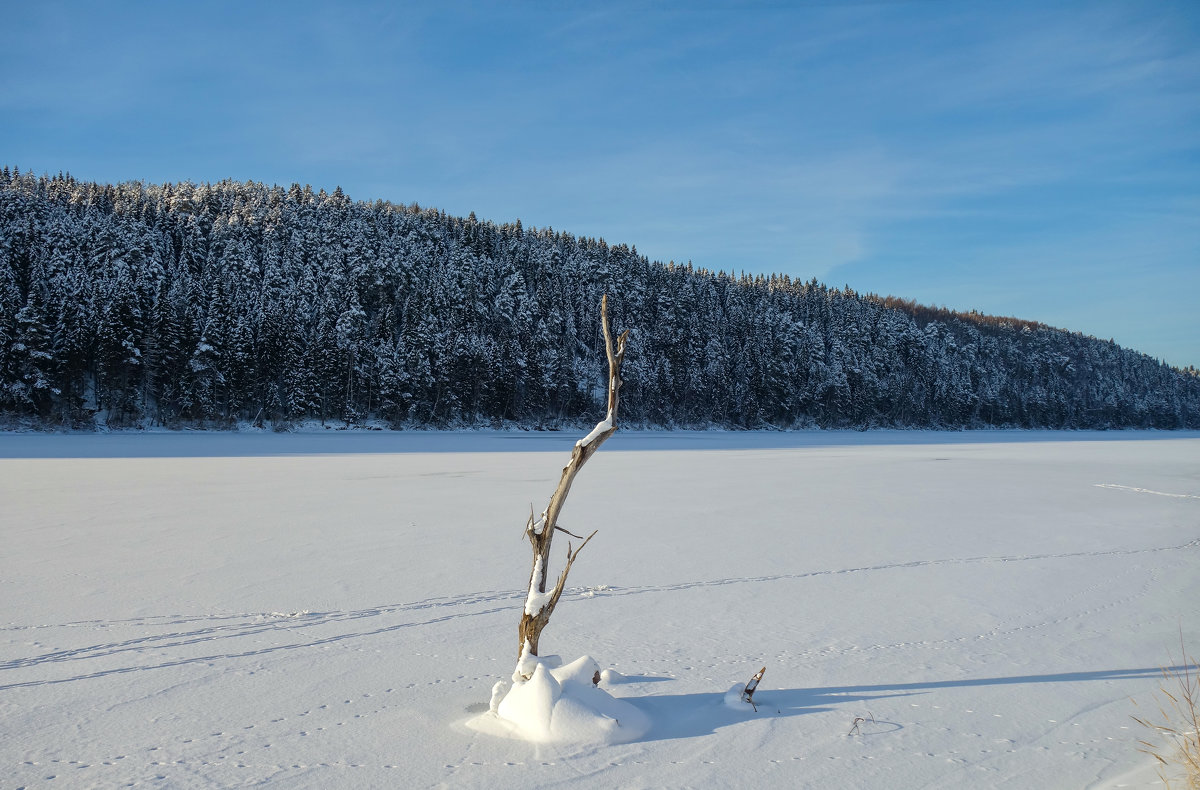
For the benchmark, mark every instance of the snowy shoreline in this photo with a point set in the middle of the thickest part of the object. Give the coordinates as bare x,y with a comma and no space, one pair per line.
316,440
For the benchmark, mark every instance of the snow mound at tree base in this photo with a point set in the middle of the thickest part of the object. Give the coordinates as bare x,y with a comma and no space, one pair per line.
561,705
734,698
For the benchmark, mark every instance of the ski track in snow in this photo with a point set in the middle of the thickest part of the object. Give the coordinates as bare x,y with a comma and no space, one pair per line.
1136,490
245,625
216,627
899,565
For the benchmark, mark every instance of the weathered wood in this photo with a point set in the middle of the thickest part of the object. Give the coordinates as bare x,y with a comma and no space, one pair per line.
539,604
751,687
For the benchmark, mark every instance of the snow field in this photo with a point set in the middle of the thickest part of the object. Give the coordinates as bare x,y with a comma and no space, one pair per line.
223,611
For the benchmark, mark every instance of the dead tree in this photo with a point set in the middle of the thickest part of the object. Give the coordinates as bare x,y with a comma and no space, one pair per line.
539,604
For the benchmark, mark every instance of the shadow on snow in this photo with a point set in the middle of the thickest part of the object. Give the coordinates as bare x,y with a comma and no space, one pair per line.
694,715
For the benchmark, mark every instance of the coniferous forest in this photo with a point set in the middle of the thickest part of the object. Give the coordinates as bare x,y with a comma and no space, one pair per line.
187,305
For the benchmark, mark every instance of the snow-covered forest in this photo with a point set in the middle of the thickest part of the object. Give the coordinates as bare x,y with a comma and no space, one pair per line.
208,304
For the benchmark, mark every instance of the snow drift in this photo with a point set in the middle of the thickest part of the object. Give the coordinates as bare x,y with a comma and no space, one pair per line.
561,704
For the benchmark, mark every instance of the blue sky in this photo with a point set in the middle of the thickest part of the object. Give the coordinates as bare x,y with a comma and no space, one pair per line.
1032,159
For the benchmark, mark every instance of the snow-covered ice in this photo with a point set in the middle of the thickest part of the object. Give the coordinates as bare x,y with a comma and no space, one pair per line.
334,609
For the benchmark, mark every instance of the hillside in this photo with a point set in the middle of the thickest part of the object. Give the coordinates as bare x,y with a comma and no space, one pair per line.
204,305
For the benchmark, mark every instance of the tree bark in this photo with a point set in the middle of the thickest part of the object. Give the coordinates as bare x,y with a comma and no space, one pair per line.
539,604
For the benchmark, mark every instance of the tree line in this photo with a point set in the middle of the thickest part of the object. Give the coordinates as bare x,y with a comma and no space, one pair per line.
211,304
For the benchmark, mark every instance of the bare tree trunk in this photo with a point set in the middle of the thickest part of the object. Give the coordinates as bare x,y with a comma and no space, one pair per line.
539,604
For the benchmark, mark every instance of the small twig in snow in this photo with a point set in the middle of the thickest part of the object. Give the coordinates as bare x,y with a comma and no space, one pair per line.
860,720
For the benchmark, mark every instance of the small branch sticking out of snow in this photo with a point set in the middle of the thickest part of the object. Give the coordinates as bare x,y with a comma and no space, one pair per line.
752,686
860,720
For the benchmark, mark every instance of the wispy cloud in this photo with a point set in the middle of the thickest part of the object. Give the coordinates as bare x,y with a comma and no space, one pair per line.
945,151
